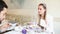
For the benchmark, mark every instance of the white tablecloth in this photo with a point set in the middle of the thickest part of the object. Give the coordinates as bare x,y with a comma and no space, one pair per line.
17,32
19,29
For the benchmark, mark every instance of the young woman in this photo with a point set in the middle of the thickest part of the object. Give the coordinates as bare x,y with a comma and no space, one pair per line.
45,21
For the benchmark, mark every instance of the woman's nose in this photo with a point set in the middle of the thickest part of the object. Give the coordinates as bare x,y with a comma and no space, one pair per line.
39,10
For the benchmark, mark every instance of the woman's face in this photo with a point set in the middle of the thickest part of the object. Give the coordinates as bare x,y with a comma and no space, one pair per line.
3,14
41,9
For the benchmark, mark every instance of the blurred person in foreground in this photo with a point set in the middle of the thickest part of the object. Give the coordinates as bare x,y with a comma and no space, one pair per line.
3,10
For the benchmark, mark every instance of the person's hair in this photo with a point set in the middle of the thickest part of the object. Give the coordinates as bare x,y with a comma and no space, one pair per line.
44,17
2,5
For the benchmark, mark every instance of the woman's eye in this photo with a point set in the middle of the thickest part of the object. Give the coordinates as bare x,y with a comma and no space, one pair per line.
40,9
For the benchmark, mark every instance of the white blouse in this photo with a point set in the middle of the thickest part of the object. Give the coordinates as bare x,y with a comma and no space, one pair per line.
42,23
48,25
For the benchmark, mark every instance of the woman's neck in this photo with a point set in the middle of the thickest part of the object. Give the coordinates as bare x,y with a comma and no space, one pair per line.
42,16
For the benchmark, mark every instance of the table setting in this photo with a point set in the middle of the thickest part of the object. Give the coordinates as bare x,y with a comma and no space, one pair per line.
25,29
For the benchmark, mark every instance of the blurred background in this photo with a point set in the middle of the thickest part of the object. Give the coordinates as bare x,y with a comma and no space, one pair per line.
29,8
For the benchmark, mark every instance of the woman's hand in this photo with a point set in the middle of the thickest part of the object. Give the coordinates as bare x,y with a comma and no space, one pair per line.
5,26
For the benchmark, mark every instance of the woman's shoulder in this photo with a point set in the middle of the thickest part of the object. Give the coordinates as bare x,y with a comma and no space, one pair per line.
49,16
